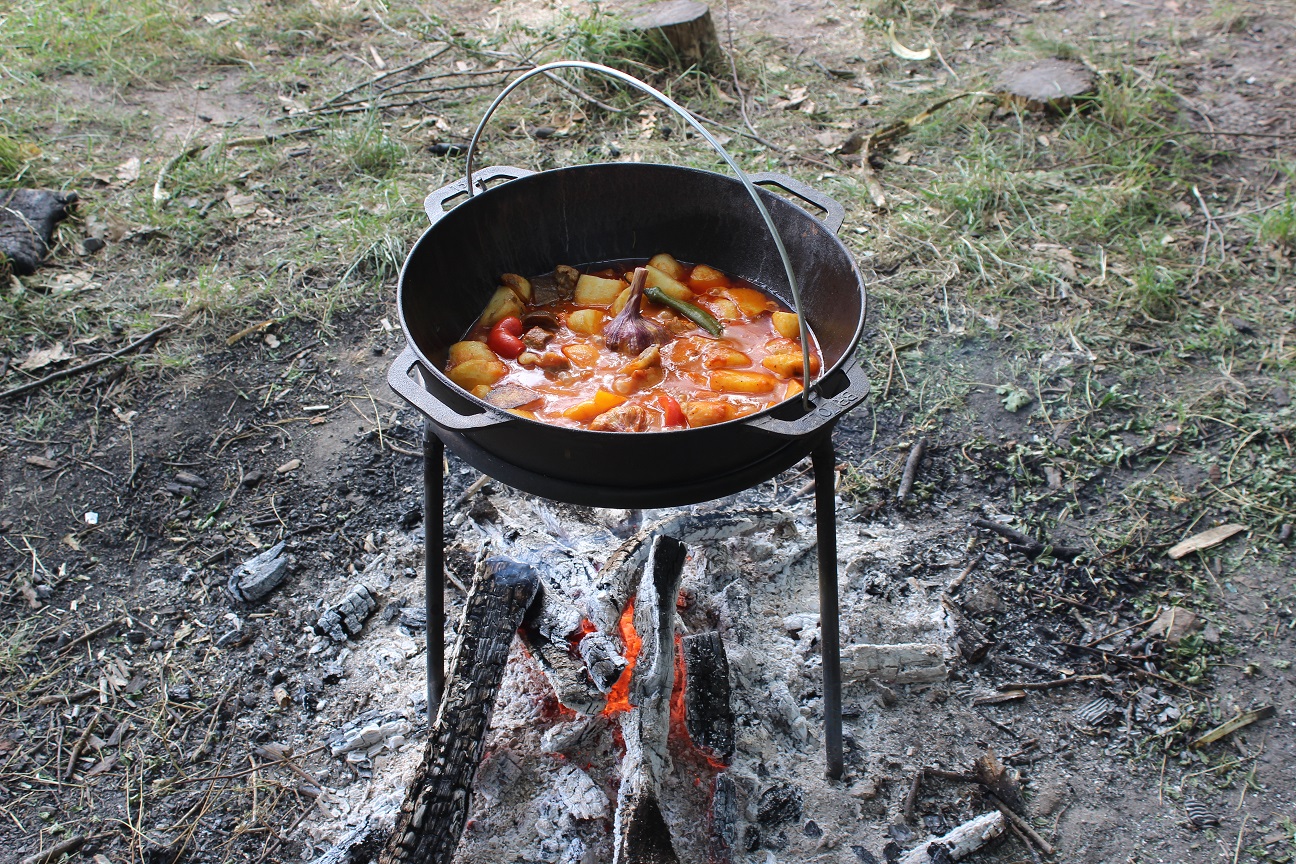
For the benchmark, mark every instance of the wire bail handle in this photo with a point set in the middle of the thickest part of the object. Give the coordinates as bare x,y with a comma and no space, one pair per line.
688,118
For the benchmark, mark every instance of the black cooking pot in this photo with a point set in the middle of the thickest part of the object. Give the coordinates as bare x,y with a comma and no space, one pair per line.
602,212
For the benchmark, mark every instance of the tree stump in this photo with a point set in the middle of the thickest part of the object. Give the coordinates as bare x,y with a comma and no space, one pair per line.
682,26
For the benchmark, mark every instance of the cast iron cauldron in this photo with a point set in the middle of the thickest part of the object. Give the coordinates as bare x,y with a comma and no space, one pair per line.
603,212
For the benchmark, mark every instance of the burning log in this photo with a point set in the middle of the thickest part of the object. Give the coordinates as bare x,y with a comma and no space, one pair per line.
905,663
432,818
707,711
640,832
959,843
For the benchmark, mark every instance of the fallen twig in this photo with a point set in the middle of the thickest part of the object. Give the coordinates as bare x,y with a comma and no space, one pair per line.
1022,824
86,637
86,367
80,744
1029,545
1049,685
911,469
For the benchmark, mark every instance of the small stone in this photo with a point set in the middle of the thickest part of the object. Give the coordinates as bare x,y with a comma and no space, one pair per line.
252,478
248,699
1280,397
156,645
91,245
190,479
812,829
412,517
136,637
179,693
289,466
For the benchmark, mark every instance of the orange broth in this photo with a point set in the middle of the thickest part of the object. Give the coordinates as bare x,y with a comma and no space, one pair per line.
689,359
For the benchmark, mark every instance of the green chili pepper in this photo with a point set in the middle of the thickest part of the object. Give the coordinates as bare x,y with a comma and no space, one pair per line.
696,314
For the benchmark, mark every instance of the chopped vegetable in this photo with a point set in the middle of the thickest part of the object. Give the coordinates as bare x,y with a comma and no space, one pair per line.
794,387
790,365
597,291
505,338
671,287
707,413
732,381
750,301
668,265
477,371
521,287
721,307
588,321
787,324
586,411
704,278
697,315
717,355
582,354
672,413
512,396
502,304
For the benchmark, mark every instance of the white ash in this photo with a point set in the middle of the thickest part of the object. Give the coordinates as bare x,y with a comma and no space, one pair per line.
546,787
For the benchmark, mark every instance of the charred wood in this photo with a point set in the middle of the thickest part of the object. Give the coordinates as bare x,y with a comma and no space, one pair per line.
972,643
911,469
707,710
905,663
432,817
723,835
1026,543
640,832
1000,780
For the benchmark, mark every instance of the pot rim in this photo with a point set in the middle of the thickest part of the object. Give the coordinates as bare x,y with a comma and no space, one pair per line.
504,415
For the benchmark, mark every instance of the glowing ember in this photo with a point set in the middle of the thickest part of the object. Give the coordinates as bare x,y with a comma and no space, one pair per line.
573,639
618,700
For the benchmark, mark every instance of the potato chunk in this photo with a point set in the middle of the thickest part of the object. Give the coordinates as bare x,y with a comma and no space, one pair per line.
667,264
502,304
597,291
461,352
790,365
476,372
707,413
587,321
787,324
584,356
670,287
731,381
718,355
704,278
750,301
521,287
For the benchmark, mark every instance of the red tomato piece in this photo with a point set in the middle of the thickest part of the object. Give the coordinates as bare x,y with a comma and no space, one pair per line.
504,338
672,414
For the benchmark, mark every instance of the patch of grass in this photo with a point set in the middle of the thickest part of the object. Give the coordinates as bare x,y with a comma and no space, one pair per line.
368,149
1278,226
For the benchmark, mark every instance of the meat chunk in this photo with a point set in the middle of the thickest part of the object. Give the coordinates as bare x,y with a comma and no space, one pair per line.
537,338
623,418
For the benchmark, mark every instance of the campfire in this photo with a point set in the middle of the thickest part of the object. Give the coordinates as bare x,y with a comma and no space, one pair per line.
664,698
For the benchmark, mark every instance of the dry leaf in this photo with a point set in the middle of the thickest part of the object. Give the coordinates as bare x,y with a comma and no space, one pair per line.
1205,540
241,206
795,97
129,171
903,52
43,357
42,462
218,19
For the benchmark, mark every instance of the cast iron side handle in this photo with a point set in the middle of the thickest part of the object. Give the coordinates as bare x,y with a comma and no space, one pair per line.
434,203
834,212
440,413
824,409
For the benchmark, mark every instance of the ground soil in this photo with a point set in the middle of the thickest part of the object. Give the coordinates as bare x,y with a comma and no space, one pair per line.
341,483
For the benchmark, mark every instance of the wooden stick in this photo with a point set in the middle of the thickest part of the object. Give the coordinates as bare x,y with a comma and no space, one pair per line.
1022,824
86,637
86,367
1049,685
54,853
1031,546
80,744
910,469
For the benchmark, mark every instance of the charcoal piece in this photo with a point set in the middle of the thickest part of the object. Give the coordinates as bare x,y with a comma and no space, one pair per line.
864,855
708,712
779,803
1200,814
891,852
602,659
751,838
259,575
347,617
811,829
723,834
27,220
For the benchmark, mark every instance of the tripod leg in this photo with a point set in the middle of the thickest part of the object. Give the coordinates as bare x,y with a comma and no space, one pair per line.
825,459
